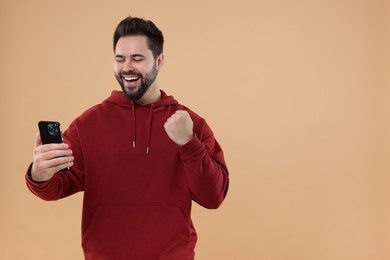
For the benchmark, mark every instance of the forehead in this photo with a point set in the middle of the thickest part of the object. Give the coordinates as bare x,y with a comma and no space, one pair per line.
132,44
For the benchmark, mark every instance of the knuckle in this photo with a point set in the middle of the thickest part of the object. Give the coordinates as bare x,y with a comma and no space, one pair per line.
36,150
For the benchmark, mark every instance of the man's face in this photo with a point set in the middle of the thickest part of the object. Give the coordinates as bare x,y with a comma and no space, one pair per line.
135,67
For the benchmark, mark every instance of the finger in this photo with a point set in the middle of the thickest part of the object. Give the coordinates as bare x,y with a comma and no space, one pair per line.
51,171
57,162
55,153
41,153
167,126
170,119
182,112
62,166
173,118
178,113
174,115
49,147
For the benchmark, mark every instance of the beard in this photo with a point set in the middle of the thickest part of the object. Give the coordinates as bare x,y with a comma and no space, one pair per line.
146,82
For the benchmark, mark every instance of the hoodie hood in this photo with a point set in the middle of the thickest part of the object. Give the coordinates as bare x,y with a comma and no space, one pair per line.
119,99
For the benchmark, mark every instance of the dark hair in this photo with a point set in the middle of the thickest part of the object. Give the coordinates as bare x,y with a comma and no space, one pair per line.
137,26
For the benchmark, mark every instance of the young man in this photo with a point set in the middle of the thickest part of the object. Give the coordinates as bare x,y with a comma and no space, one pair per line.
140,157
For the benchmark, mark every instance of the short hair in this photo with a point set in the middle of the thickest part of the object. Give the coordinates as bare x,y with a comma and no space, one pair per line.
137,26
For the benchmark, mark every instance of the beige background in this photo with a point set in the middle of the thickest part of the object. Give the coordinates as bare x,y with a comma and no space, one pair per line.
297,92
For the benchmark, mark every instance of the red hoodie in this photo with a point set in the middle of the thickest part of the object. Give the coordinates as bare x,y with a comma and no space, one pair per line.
138,185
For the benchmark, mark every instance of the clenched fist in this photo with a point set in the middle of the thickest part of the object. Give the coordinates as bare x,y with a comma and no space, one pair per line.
179,127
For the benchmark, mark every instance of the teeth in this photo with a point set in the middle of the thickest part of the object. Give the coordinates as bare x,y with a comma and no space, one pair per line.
131,78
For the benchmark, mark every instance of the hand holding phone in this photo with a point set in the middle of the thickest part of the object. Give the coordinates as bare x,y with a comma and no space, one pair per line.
50,153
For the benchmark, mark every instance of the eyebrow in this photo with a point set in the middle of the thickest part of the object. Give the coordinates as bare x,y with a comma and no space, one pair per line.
137,55
132,55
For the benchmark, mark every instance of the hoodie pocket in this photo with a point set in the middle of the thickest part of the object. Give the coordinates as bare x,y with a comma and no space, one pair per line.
134,232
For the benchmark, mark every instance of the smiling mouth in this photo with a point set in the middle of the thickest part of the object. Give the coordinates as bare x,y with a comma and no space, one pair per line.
131,78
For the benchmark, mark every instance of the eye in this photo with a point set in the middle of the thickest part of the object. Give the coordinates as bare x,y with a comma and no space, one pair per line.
138,59
119,59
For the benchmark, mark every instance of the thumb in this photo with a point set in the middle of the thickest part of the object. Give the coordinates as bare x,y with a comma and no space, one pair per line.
38,140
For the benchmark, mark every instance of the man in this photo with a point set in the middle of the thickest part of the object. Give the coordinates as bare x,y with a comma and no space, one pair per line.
140,157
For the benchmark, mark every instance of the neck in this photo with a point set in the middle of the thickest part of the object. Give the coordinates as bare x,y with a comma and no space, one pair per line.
151,96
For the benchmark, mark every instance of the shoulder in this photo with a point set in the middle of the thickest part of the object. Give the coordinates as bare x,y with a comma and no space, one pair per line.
90,112
94,115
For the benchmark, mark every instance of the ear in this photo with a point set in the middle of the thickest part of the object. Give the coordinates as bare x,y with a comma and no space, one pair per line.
160,61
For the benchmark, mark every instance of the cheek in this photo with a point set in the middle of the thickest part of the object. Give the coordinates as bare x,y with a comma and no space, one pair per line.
149,68
117,68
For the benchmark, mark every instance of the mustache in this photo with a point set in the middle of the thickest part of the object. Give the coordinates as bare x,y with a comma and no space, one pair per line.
131,73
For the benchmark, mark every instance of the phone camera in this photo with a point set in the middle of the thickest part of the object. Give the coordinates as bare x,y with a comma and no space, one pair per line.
53,129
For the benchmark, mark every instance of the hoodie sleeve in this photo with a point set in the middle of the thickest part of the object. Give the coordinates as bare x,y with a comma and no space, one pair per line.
62,184
206,169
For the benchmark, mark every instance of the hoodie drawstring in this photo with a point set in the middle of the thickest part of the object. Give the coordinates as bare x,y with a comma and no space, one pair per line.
133,125
150,128
118,98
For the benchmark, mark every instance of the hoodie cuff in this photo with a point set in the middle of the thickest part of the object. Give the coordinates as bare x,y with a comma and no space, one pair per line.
192,147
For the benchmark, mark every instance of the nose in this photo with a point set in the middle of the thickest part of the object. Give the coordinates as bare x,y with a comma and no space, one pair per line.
128,65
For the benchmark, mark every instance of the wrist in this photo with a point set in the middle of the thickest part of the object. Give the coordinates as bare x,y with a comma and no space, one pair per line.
185,141
34,178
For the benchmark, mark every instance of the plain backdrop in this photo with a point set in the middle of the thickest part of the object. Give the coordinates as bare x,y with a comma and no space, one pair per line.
297,93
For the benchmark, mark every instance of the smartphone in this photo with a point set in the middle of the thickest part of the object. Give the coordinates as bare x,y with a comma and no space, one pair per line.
50,132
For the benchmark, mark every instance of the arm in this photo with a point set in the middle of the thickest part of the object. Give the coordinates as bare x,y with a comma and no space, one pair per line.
203,160
44,177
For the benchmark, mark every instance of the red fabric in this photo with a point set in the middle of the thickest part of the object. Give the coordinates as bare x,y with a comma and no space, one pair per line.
137,205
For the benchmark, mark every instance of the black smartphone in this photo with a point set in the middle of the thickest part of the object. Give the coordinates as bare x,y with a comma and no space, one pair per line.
50,132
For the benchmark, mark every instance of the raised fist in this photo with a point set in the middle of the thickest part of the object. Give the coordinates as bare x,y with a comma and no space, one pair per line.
179,127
